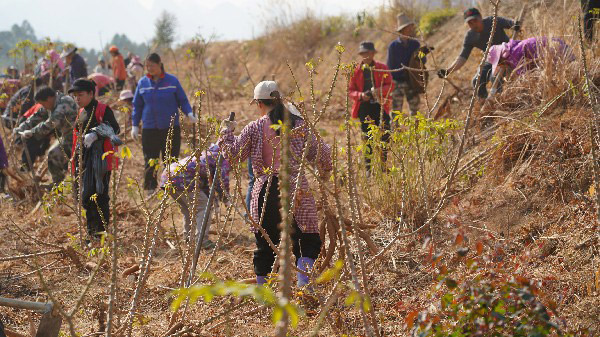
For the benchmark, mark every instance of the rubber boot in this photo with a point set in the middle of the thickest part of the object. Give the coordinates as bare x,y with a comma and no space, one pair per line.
261,280
304,264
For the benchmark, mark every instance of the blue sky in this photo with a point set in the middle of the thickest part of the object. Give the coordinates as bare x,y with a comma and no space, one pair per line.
86,22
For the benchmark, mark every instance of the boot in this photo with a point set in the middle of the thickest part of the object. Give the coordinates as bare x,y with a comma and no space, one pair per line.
261,280
304,264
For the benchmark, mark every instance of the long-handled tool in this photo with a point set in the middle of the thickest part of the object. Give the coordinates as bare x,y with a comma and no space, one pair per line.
50,322
205,219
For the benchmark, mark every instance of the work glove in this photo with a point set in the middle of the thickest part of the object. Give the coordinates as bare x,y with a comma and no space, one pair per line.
227,125
26,134
427,49
89,139
191,118
442,73
135,132
517,26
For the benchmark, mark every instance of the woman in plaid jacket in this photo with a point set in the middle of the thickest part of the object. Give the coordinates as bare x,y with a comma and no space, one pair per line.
260,142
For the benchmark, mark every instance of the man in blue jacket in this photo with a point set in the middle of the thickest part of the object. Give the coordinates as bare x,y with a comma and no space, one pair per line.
400,53
156,103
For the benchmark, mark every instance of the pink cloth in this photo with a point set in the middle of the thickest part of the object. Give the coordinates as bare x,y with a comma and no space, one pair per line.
101,80
52,58
270,146
249,143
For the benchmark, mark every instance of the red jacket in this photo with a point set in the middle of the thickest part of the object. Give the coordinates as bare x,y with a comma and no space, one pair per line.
383,84
111,160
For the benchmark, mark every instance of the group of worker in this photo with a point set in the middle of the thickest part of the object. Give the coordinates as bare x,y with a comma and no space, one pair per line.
84,130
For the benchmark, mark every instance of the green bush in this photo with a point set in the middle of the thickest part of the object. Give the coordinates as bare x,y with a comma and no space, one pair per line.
432,20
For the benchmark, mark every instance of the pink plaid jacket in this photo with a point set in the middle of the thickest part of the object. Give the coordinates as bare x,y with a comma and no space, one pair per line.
249,144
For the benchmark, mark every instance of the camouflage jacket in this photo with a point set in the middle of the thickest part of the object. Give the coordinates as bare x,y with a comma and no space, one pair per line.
38,117
61,118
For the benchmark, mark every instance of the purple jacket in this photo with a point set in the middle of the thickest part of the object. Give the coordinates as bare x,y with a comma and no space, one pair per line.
3,157
523,55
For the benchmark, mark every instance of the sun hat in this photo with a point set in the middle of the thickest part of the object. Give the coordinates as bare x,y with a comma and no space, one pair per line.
404,21
125,94
68,51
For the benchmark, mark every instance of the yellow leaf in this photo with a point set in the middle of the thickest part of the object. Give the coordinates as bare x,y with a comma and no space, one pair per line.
592,190
125,152
108,153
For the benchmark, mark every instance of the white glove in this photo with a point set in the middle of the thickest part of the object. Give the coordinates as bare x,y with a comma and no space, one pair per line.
191,118
227,125
89,139
26,134
135,132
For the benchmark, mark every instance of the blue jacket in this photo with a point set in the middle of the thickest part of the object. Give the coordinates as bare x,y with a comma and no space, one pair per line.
154,103
399,54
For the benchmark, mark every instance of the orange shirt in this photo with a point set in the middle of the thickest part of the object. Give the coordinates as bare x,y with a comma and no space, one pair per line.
118,66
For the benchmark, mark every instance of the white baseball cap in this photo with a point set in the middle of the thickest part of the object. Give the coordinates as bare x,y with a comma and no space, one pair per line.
264,90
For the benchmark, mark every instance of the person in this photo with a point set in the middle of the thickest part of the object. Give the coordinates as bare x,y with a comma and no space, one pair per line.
156,102
78,67
62,112
8,87
178,181
3,166
135,70
100,126
591,13
118,67
101,67
400,53
33,148
260,142
13,73
128,59
126,100
478,35
521,56
103,83
371,92
21,101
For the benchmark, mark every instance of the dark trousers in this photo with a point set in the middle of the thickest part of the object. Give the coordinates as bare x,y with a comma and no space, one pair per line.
304,244
370,114
486,76
154,142
120,84
591,9
36,148
95,222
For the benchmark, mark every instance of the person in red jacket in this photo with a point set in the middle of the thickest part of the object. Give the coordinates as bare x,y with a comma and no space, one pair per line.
371,90
100,128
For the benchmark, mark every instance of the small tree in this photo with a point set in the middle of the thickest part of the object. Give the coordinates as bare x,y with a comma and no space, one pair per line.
165,27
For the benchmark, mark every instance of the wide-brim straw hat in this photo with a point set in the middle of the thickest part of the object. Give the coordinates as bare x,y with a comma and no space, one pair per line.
404,21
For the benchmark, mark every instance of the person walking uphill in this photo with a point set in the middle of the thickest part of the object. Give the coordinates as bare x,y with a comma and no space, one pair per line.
400,54
371,92
118,67
62,113
98,122
261,143
478,37
158,98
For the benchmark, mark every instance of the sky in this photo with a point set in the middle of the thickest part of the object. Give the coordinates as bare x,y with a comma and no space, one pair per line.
88,23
